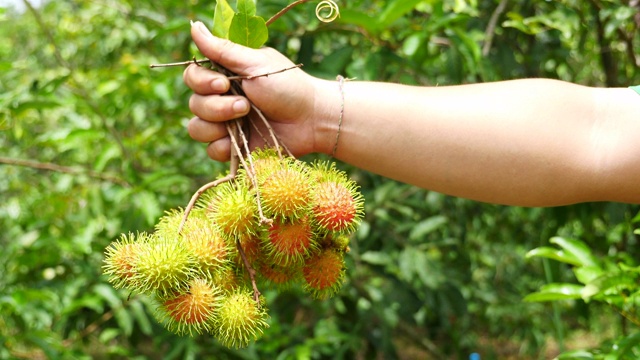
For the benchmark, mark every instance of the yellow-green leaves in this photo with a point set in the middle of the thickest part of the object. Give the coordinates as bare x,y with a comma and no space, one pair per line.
222,19
242,27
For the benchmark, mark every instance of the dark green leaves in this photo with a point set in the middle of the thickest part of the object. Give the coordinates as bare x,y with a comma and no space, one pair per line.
242,27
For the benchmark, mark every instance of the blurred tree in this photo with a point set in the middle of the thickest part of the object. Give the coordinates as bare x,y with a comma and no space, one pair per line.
94,145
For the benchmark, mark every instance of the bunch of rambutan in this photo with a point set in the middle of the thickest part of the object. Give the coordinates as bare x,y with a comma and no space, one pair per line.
204,276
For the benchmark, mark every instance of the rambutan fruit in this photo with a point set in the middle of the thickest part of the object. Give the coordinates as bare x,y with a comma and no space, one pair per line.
252,247
164,265
120,259
205,241
285,191
336,241
289,243
338,206
279,276
193,311
228,279
240,320
234,210
324,273
265,160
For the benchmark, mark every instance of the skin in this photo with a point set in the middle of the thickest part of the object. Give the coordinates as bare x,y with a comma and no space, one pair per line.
530,142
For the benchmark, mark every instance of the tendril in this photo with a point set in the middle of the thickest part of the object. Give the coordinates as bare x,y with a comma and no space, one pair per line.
327,11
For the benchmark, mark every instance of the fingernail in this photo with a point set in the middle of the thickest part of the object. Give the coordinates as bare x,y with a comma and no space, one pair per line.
240,107
200,26
218,85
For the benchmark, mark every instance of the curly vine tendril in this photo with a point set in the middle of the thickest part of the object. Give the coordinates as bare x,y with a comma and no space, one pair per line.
327,11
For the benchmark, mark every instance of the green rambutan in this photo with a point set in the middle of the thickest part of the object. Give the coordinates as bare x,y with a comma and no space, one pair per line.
233,209
338,206
289,243
164,265
265,161
240,320
285,191
205,241
335,241
120,259
324,273
191,312
228,279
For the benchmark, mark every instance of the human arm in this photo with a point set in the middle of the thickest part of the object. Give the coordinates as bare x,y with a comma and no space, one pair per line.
524,142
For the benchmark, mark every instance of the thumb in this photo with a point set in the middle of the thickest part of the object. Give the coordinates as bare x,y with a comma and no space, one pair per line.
232,56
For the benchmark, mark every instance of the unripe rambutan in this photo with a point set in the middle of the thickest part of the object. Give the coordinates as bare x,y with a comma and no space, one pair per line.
228,279
338,206
193,311
337,242
324,274
204,240
164,265
279,276
289,243
265,161
233,209
240,320
252,247
285,191
120,259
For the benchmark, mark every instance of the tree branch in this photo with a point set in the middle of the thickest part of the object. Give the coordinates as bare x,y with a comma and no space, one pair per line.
63,169
491,28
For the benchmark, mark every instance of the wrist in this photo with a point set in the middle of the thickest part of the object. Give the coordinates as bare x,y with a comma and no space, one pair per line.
328,103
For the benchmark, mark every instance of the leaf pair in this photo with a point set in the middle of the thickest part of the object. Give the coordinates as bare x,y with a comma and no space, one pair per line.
242,26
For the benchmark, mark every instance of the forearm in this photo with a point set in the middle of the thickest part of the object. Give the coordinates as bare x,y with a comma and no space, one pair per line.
526,142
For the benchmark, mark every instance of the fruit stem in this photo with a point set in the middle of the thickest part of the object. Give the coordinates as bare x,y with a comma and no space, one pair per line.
251,271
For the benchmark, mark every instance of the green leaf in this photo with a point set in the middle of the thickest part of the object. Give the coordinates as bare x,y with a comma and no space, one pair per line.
577,249
427,226
250,31
586,274
554,254
222,19
607,282
554,292
247,7
395,10
576,355
375,258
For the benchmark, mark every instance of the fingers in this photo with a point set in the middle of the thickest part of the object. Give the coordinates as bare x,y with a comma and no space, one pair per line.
215,134
205,131
204,81
234,57
220,150
218,108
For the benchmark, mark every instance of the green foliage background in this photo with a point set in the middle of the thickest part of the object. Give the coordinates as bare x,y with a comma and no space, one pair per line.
94,144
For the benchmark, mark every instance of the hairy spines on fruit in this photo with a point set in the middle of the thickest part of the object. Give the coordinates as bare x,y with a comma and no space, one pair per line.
338,206
164,266
265,160
285,191
324,273
193,311
240,320
234,210
120,259
289,242
205,241
280,276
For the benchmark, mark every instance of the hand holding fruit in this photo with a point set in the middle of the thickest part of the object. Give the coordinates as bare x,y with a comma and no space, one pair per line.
296,104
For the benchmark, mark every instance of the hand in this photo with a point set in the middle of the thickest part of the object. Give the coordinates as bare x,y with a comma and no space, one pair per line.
291,100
